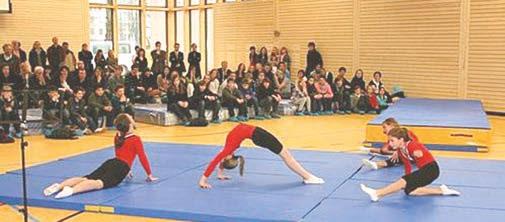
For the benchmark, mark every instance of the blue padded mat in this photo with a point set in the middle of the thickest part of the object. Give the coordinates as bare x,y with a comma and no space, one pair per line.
436,113
363,210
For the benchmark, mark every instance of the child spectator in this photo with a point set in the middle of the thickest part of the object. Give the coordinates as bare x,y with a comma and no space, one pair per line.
317,72
116,79
202,99
383,99
62,83
78,115
233,99
223,72
100,59
214,82
357,80
372,98
177,100
99,106
315,98
99,79
359,101
314,58
241,73
268,99
328,76
120,103
253,56
324,90
162,81
301,98
341,97
54,110
223,85
249,95
81,81
376,82
9,111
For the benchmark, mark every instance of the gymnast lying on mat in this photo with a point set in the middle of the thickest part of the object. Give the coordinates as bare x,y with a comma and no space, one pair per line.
414,183
386,149
227,160
113,171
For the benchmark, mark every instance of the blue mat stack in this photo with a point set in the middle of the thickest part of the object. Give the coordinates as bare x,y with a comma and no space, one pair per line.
268,191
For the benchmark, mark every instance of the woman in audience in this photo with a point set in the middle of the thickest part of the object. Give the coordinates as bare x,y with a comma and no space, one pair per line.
99,79
100,59
323,90
162,81
263,56
178,102
241,72
38,83
141,60
357,80
383,99
301,98
37,56
285,58
274,55
112,61
214,82
376,82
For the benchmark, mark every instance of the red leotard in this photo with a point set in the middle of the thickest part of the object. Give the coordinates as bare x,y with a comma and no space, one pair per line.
131,147
406,154
233,141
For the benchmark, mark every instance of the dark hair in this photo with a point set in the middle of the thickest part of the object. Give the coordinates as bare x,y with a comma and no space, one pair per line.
64,67
391,122
252,47
79,89
313,44
118,87
134,66
98,86
342,69
122,123
377,72
157,43
233,162
400,133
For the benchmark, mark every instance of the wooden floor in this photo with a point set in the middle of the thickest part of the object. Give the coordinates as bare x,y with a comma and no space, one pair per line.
328,133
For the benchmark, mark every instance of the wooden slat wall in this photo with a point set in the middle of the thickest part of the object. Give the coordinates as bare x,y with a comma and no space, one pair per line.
486,56
414,43
330,25
42,19
239,25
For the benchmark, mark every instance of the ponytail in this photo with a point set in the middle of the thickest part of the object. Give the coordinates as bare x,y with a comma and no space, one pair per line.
241,165
233,162
122,123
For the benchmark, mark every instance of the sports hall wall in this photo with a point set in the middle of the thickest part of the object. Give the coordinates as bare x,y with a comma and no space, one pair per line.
431,48
40,20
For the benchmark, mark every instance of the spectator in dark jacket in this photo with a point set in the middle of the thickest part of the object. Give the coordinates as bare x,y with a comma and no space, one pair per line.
178,102
268,99
314,58
15,81
194,59
78,115
9,111
38,56
120,103
99,106
87,57
253,56
135,91
10,59
55,55
177,60
357,80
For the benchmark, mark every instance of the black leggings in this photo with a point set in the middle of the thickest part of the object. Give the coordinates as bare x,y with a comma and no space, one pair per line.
265,139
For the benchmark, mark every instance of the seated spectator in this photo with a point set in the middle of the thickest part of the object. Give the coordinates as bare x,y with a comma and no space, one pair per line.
135,91
112,61
286,59
260,68
301,98
233,99
328,76
10,60
203,99
190,80
162,80
151,87
78,115
383,99
301,75
285,71
214,82
284,86
341,97
99,79
62,83
315,97
372,100
15,81
318,72
223,85
99,107
268,99
120,103
81,81
249,95
324,90
250,72
359,101
376,82
357,80
178,102
116,79
54,111
223,72
9,111
38,85
269,74
241,73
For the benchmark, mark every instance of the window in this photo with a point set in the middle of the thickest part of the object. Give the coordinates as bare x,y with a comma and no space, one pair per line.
230,0
211,1
195,2
195,26
100,20
101,1
128,2
179,29
157,3
209,13
156,30
129,35
179,3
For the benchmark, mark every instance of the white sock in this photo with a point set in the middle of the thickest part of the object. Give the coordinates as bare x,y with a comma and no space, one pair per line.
365,149
371,192
314,180
66,192
50,190
446,191
370,164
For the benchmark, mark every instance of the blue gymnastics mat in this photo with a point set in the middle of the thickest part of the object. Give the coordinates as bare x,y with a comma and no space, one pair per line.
436,113
269,191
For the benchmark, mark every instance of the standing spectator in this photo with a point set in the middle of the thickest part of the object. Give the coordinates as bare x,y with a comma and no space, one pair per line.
314,58
357,80
253,56
69,60
194,59
120,103
111,61
15,81
141,60
37,56
177,60
99,106
233,99
241,72
87,57
285,58
9,111
55,55
301,98
263,56
223,72
17,51
100,61
159,59
10,59
78,115
178,102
